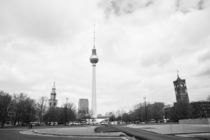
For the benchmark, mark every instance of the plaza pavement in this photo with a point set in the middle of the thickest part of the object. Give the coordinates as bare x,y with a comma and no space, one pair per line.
184,130
13,134
72,132
174,128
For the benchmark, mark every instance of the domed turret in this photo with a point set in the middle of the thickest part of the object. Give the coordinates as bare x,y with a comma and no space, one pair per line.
94,57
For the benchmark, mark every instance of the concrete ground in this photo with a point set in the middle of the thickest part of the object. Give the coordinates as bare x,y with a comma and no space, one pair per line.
80,133
174,128
66,133
183,130
71,131
13,134
146,135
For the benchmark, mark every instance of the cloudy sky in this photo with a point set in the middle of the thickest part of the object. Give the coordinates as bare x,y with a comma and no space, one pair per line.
140,43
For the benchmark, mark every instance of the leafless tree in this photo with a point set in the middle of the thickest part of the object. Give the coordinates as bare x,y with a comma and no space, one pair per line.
41,108
24,109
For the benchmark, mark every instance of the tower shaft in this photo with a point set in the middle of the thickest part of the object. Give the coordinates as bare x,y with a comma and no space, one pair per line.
94,105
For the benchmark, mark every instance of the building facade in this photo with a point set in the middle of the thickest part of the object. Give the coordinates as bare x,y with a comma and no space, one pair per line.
83,106
181,90
53,100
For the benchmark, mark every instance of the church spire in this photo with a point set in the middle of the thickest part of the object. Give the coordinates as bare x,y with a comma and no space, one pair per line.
54,85
53,100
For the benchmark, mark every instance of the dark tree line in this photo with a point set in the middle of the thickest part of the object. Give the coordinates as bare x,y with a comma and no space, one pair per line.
193,110
23,109
20,109
181,110
158,112
141,113
61,115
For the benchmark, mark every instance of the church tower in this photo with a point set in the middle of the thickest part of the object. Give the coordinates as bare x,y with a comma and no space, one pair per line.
181,90
53,100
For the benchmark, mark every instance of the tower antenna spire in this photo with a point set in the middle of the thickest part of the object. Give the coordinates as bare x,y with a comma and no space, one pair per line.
94,38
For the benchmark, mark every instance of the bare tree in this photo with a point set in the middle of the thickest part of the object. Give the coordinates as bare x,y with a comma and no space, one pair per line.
69,112
24,109
41,108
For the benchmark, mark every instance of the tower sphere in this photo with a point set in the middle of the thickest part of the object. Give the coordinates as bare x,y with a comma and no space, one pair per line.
94,57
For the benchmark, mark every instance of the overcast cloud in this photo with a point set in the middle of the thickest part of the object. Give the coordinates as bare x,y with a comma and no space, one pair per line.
140,43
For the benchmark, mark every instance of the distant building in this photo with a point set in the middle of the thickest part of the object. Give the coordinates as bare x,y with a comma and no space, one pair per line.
53,100
83,105
181,90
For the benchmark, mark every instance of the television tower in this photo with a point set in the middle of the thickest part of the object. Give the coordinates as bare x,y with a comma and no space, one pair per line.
94,60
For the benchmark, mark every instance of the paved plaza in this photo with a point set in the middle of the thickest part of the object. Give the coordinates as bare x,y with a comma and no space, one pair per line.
183,130
174,128
71,131
15,135
65,133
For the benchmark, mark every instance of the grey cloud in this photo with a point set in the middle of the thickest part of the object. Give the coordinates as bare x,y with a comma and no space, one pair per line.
41,21
186,6
204,62
205,57
123,7
200,4
120,7
160,60
205,72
